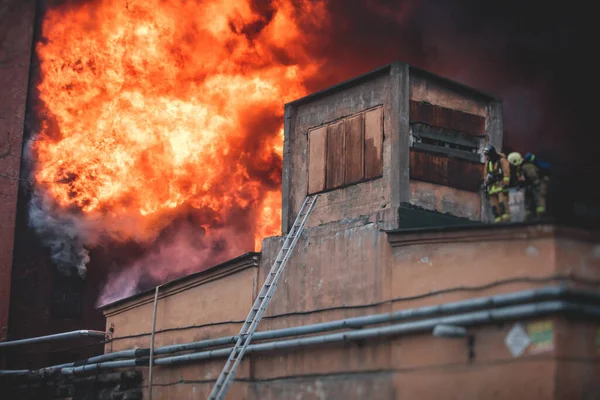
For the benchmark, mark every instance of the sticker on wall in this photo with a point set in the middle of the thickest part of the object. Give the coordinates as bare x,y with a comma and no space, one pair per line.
541,335
517,340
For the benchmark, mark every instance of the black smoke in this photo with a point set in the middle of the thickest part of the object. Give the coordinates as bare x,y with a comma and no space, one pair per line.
537,56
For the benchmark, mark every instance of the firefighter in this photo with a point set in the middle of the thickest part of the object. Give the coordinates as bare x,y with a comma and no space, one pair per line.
524,176
497,179
544,170
535,183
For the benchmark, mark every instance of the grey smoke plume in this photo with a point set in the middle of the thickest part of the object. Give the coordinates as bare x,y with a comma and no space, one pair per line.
61,233
189,249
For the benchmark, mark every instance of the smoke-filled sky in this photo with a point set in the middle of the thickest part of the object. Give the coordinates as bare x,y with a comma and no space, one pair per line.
525,52
535,55
529,53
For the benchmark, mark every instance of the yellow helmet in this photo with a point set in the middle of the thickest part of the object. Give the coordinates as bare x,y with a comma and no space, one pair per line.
515,159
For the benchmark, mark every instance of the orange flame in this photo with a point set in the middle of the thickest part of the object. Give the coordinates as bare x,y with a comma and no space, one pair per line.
154,106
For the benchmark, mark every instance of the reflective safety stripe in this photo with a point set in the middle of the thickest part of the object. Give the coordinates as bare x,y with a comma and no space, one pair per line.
497,189
506,179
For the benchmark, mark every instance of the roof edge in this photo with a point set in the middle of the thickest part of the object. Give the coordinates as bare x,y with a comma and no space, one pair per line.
459,85
485,231
386,68
339,86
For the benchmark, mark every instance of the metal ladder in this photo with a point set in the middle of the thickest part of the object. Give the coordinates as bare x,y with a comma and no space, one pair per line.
262,301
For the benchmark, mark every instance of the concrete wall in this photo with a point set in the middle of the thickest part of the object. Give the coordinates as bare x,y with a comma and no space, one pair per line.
209,305
435,93
16,32
441,92
339,270
425,87
380,89
393,88
445,199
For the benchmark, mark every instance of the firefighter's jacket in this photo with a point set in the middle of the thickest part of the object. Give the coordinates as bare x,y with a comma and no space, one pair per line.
531,174
500,171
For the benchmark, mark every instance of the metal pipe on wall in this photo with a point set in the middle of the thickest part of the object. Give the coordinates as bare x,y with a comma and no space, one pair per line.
151,358
546,293
466,319
50,338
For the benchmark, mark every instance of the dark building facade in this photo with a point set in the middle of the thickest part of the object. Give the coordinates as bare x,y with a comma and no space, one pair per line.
34,299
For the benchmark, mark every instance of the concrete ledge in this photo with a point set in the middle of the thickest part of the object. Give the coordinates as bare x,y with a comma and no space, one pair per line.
470,231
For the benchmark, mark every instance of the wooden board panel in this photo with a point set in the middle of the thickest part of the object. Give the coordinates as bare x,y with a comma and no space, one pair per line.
317,148
428,167
464,174
447,118
374,143
354,142
335,155
453,172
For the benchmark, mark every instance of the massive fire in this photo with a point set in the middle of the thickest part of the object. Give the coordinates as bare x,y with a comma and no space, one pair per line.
152,107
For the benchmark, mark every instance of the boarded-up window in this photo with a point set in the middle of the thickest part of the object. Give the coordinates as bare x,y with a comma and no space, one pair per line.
317,146
447,118
443,170
373,143
345,152
335,155
355,144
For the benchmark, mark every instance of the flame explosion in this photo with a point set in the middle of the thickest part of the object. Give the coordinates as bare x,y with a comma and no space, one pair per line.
156,109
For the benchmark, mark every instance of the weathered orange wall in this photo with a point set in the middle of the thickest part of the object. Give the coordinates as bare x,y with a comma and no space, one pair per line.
343,270
16,32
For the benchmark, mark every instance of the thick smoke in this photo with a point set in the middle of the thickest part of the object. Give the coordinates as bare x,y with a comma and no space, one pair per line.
62,234
187,249
535,55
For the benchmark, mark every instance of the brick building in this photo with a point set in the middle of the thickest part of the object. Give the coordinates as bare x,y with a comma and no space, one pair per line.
34,299
16,39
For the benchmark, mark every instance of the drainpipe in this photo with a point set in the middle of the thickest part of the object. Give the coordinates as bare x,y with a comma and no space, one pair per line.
51,338
466,319
152,344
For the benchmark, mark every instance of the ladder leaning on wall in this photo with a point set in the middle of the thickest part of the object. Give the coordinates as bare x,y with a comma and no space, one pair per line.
227,375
